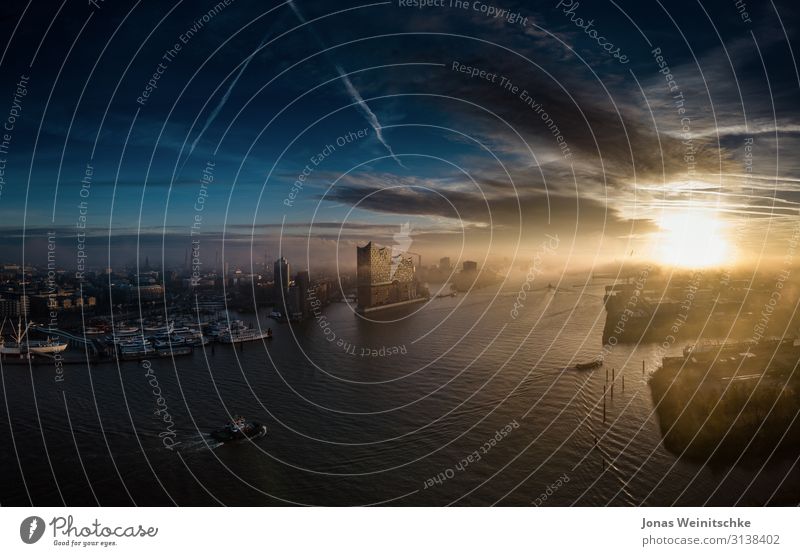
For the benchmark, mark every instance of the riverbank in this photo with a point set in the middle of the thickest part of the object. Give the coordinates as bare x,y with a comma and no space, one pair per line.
730,405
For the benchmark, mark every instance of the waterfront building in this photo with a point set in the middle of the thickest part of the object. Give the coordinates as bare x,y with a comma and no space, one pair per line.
384,278
281,274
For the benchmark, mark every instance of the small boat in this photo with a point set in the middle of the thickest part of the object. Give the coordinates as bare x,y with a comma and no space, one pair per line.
239,429
157,329
589,365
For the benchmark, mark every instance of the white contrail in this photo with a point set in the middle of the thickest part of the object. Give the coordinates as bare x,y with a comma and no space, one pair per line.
368,113
221,104
297,12
352,91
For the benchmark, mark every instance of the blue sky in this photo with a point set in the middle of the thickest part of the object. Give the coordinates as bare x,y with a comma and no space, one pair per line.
475,168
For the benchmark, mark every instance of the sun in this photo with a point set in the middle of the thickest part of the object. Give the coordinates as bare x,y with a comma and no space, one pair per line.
691,239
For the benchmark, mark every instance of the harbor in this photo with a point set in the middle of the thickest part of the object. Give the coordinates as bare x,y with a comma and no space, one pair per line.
104,340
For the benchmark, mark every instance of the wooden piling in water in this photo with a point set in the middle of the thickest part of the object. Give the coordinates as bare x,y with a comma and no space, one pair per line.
623,382
642,367
613,374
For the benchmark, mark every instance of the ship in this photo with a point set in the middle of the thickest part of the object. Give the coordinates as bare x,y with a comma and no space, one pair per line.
137,348
238,332
123,333
21,345
123,329
190,335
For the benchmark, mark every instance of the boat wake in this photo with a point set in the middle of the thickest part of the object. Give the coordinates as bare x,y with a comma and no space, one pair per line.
200,443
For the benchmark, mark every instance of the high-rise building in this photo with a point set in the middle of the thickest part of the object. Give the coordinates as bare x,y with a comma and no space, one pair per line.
470,266
293,303
444,264
384,278
303,282
281,273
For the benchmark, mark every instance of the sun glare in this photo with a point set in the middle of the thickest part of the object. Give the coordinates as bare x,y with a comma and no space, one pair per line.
691,239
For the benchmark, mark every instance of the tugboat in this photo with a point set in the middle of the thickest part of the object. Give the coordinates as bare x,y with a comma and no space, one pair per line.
239,429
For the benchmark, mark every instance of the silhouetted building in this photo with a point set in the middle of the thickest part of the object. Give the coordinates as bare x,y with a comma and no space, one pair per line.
294,303
281,274
470,266
303,282
383,277
444,263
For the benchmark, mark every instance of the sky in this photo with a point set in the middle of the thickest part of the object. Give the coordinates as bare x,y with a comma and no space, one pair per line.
305,128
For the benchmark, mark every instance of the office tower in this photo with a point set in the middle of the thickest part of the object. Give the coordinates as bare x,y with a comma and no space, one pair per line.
281,273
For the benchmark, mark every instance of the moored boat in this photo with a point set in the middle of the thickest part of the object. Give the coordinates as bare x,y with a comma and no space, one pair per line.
139,348
238,332
22,345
